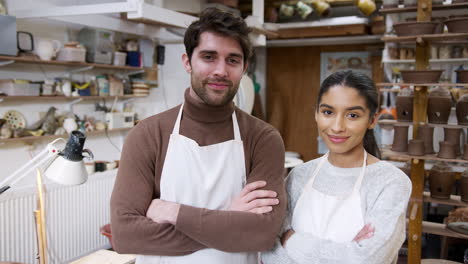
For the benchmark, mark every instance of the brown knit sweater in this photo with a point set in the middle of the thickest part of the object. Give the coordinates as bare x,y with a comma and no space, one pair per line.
138,179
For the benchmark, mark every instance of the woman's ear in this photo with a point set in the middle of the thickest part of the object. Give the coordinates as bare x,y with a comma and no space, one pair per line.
373,121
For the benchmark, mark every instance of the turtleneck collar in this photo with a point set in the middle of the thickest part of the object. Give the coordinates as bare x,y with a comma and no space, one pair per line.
202,112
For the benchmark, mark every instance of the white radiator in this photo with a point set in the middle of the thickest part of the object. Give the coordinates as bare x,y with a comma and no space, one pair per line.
73,217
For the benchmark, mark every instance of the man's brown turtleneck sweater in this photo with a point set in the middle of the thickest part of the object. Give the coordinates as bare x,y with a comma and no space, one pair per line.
138,179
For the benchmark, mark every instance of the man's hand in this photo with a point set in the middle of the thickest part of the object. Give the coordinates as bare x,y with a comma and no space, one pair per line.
255,201
163,212
286,235
366,232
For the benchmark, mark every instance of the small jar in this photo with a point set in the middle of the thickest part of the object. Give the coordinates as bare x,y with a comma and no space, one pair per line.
103,85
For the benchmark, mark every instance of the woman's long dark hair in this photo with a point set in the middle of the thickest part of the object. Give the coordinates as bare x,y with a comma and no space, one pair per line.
366,88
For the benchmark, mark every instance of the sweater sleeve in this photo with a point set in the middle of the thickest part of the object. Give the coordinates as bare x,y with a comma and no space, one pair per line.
387,215
134,189
243,231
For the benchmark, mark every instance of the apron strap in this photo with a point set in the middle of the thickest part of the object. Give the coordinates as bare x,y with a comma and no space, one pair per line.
177,123
357,185
235,125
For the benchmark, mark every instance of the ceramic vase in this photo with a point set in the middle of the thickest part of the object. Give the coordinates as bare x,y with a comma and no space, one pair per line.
453,135
438,109
400,138
416,147
404,106
446,150
464,188
462,112
426,133
441,184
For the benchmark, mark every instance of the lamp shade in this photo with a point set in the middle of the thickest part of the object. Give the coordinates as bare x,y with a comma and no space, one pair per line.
68,168
67,172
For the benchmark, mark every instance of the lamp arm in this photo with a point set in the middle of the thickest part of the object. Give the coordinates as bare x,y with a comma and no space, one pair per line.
50,151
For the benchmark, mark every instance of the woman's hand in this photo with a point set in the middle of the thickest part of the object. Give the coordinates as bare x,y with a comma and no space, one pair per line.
286,235
366,232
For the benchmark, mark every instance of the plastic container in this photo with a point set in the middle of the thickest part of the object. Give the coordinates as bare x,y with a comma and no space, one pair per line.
75,54
19,88
103,85
119,58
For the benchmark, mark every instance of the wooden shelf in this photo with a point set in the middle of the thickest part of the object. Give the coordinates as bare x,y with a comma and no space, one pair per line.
67,64
422,84
414,8
429,37
52,137
454,200
459,60
396,122
440,229
404,156
65,98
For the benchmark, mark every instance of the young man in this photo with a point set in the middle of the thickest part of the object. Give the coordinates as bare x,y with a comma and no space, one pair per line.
202,182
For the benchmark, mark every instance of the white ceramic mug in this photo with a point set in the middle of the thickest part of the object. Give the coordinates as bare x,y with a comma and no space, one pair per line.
47,49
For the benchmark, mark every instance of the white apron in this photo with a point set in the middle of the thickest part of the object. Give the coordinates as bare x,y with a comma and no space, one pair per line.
206,177
335,218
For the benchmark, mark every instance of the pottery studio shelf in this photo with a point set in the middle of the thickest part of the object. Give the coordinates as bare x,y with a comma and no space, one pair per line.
416,85
428,37
396,122
52,137
414,8
65,98
404,156
441,230
456,60
454,200
6,60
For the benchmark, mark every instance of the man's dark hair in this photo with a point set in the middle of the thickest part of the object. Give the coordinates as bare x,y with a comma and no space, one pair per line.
218,22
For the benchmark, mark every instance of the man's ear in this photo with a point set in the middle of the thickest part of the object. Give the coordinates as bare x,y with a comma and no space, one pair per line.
186,62
246,66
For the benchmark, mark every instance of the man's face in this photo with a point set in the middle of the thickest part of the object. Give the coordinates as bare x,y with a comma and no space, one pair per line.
216,68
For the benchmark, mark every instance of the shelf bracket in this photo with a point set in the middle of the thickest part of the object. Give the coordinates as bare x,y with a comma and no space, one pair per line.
6,62
134,72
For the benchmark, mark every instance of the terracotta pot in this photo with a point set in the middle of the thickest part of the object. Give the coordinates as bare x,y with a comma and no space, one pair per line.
441,184
400,138
457,25
462,74
426,133
453,135
462,112
416,147
446,150
404,106
421,76
414,28
438,109
464,188
465,151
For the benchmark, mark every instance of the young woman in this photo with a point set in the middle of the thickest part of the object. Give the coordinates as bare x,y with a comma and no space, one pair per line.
347,206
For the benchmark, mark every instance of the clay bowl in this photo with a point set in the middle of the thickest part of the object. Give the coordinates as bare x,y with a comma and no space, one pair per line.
439,29
463,75
421,76
414,28
457,25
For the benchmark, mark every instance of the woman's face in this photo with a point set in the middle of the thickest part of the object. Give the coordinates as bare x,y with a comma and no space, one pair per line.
343,119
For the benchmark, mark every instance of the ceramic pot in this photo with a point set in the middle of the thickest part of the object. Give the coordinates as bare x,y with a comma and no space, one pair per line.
426,133
462,112
465,151
453,135
446,150
404,106
438,109
441,184
414,28
47,49
464,188
416,147
400,138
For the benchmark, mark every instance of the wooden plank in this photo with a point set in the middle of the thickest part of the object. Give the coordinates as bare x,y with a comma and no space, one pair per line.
413,9
403,156
65,98
324,31
454,200
396,122
441,230
422,84
52,137
67,63
430,37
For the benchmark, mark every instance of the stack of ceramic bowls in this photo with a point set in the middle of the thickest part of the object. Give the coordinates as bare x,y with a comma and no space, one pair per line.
140,88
